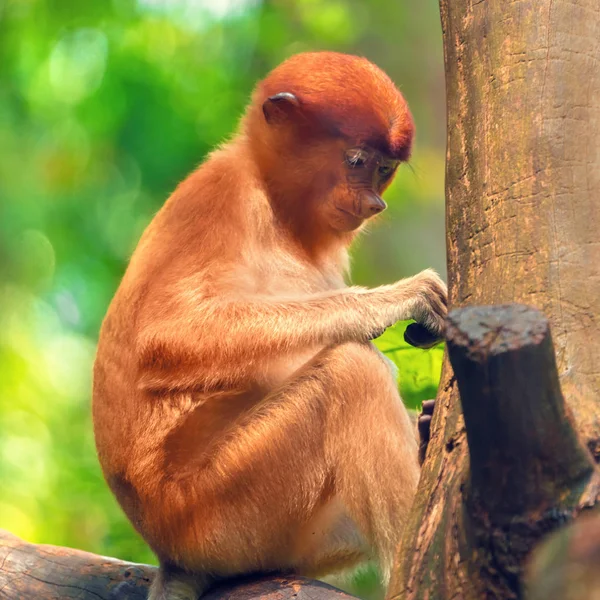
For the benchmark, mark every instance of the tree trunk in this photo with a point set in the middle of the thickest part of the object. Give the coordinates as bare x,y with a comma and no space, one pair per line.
523,225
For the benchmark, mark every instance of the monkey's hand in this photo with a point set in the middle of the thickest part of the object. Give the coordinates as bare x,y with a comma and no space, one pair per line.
377,333
429,312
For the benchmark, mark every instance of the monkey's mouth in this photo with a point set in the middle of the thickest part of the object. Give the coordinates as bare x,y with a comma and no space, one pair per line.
350,214
348,221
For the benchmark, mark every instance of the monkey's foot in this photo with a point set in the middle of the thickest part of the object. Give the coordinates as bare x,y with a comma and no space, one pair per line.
424,427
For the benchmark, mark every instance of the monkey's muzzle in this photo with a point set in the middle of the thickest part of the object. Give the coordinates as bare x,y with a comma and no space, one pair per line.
370,204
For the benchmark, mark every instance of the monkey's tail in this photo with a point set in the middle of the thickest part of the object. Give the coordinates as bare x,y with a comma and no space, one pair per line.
173,583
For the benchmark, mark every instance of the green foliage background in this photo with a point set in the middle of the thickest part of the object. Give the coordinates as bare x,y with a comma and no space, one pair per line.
104,107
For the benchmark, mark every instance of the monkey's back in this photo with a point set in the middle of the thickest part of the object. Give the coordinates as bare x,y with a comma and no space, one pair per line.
149,440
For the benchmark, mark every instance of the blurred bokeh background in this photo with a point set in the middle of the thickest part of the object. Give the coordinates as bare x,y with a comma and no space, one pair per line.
104,107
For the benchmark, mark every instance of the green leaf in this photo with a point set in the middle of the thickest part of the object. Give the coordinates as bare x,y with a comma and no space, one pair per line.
418,370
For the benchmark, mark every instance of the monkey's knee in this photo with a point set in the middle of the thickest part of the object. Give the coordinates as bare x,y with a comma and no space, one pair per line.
358,358
360,368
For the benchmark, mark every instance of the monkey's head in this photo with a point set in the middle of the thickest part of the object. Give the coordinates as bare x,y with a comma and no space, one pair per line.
328,132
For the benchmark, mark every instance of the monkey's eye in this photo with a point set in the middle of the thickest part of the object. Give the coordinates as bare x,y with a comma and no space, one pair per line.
386,170
356,157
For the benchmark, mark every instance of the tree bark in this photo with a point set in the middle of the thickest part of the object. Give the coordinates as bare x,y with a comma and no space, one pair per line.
523,225
52,573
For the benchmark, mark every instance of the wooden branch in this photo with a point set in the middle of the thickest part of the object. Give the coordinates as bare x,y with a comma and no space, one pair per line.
41,572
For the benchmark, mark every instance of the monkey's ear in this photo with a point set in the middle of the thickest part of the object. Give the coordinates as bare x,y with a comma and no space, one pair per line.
279,107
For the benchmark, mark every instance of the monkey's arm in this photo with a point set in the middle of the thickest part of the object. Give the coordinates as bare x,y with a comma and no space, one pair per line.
230,336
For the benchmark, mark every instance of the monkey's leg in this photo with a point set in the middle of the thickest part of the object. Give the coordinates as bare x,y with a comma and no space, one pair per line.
371,441
376,453
336,430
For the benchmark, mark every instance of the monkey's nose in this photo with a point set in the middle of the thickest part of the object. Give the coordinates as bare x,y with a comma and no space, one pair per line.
373,204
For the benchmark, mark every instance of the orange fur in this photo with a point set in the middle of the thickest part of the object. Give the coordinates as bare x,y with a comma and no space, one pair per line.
243,419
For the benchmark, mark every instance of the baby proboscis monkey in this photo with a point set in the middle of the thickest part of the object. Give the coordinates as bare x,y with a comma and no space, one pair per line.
243,418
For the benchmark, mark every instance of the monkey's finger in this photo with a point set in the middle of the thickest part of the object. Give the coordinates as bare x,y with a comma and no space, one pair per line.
419,336
424,428
424,425
427,407
437,305
436,286
439,308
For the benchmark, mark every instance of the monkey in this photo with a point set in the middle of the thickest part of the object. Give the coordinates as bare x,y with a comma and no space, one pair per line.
243,418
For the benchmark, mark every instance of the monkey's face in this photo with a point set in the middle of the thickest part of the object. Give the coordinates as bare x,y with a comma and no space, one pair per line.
310,162
365,174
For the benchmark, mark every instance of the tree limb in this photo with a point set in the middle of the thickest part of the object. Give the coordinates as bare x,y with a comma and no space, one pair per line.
50,572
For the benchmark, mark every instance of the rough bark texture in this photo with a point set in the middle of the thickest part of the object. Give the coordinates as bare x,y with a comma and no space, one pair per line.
29,571
523,225
523,172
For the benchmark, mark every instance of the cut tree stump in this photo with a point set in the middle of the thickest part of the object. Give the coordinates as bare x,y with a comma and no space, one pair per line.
41,572
523,471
